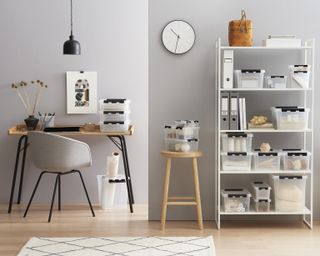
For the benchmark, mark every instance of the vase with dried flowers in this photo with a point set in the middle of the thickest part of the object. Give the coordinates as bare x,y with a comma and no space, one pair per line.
30,99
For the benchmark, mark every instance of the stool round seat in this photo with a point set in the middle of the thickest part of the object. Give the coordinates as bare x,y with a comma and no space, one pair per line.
171,154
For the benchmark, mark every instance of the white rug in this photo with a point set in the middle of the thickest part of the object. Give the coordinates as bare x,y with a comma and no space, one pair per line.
119,246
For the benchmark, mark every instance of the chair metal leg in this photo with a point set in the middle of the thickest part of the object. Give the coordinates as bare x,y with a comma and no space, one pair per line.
33,193
53,197
59,193
85,190
25,148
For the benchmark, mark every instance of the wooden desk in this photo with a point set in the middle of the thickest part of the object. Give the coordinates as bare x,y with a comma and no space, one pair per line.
118,139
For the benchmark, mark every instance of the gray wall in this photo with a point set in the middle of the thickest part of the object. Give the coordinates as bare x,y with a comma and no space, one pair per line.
183,86
113,36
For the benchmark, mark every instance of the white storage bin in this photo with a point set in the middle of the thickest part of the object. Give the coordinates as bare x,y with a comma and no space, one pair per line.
276,82
115,104
295,160
188,122
114,126
235,200
289,192
290,118
262,205
236,161
249,78
266,161
299,76
169,131
176,145
187,132
113,116
261,190
236,142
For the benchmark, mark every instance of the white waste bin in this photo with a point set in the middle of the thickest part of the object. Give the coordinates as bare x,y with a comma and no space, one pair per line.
112,191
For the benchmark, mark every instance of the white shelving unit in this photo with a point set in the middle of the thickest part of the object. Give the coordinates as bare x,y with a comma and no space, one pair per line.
307,95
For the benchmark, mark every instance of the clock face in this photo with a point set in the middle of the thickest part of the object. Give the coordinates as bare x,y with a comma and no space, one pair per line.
178,37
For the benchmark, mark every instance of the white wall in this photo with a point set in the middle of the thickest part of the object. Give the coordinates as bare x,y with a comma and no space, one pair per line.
183,86
114,36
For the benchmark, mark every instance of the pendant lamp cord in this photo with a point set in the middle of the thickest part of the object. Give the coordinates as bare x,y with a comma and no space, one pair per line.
71,18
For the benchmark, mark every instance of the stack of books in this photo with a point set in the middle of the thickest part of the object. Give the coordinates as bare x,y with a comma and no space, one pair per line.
282,41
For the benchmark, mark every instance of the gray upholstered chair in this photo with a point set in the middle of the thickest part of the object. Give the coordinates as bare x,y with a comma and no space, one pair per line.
54,154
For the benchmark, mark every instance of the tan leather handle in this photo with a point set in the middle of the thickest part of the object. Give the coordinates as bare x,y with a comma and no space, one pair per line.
243,18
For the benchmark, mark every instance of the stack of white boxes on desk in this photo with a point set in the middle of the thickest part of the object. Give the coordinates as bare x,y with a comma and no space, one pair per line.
114,115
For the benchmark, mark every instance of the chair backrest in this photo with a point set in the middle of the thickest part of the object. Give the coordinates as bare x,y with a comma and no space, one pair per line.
51,152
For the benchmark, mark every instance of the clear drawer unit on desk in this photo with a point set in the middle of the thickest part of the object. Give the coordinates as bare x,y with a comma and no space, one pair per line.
280,79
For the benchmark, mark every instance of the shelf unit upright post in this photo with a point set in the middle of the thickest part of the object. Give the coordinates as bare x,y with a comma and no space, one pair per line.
308,53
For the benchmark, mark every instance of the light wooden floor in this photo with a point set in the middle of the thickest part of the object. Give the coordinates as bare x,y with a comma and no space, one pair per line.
235,238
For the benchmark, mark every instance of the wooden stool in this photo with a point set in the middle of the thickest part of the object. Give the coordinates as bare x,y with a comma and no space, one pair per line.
194,201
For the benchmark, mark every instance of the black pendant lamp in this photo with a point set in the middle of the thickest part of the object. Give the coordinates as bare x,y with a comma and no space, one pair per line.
71,46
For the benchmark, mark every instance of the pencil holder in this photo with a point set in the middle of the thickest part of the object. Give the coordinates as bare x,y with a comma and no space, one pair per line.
47,121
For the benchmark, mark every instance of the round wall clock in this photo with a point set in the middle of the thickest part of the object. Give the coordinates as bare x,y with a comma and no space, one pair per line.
178,37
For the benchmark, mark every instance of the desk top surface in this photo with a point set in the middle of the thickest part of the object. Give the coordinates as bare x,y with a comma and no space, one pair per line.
21,130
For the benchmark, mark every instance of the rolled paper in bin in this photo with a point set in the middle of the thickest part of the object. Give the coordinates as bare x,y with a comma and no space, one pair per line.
112,165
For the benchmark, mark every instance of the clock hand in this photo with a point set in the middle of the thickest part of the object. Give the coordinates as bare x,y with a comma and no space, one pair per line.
178,38
174,32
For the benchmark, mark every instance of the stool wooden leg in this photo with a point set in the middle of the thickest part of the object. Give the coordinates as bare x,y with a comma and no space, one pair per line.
197,191
165,194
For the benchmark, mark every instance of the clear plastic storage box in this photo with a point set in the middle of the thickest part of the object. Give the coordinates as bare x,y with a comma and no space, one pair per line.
114,126
299,76
236,142
187,132
276,82
289,193
176,145
290,118
187,123
115,104
249,78
235,200
236,161
170,131
266,161
295,160
262,205
114,116
261,190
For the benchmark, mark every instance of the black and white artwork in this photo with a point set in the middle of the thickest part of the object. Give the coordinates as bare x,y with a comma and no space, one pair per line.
81,92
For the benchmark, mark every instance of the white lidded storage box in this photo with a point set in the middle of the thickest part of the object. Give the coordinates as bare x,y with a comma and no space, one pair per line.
276,82
114,126
236,142
176,145
115,104
295,160
266,161
169,131
235,200
187,123
290,118
249,78
236,161
113,116
261,190
262,205
187,132
289,193
299,76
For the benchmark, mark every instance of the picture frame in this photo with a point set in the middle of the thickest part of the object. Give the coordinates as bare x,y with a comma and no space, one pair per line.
81,92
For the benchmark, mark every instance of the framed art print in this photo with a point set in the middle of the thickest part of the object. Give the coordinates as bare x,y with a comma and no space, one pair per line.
81,92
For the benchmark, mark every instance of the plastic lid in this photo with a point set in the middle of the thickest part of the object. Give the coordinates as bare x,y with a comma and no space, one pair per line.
235,192
262,200
260,185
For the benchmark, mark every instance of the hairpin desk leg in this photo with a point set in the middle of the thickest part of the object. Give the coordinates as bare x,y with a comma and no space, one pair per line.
25,147
15,172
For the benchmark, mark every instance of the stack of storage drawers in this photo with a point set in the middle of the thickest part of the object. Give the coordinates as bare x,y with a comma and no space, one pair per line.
114,115
261,196
236,151
183,136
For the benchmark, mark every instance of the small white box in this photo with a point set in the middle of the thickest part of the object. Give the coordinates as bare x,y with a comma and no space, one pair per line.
249,78
296,160
235,200
262,205
290,118
113,116
115,104
276,82
236,161
236,142
261,190
266,161
289,193
176,145
114,126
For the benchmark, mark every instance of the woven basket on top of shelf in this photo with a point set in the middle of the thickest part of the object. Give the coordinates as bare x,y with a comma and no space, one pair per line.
240,31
